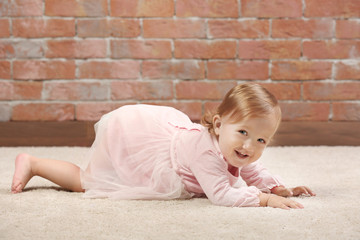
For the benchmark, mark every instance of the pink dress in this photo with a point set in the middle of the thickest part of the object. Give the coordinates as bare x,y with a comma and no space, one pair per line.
153,152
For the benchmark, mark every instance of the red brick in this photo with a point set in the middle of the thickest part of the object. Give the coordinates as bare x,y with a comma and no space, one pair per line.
240,70
94,110
75,91
173,69
346,111
21,49
40,28
5,112
7,90
40,70
331,91
205,49
210,107
5,70
93,28
271,8
347,70
6,49
43,112
332,8
203,90
305,111
140,8
301,70
124,69
124,28
122,90
4,28
348,29
21,8
5,8
239,29
27,90
76,49
313,28
174,28
269,49
331,49
284,91
192,109
207,8
76,8
141,49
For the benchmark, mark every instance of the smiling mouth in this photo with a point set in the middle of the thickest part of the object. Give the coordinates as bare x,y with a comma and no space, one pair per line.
240,155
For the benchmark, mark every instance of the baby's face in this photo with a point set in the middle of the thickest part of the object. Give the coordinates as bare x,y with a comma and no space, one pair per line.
243,142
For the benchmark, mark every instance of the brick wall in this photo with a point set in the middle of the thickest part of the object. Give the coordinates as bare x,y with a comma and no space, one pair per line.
77,59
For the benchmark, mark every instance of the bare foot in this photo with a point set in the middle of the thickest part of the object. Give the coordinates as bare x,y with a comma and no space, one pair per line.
22,174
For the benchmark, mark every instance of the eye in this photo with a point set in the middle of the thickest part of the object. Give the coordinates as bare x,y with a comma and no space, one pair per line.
260,140
243,132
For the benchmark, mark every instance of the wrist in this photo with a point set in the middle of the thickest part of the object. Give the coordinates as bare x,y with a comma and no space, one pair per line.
277,188
264,198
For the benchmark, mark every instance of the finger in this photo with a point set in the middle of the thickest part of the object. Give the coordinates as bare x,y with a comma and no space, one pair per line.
299,205
310,191
307,191
296,191
296,205
293,205
304,191
284,206
300,190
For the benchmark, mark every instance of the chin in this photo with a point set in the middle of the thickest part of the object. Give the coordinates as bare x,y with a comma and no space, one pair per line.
239,165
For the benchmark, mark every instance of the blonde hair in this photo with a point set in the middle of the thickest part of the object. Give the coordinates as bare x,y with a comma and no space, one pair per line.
244,101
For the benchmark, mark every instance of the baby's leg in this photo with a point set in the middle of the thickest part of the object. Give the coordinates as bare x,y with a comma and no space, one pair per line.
65,174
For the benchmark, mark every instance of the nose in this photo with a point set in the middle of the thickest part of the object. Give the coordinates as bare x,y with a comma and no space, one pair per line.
248,146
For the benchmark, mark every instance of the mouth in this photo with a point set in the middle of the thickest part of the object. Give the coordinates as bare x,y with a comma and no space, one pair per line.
240,155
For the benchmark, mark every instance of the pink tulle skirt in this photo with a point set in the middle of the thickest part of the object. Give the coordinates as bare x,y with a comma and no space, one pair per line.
130,157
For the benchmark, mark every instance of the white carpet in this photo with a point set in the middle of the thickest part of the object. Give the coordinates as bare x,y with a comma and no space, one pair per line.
46,212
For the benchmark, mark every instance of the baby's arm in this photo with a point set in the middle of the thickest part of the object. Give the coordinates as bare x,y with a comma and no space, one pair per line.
289,192
212,175
255,174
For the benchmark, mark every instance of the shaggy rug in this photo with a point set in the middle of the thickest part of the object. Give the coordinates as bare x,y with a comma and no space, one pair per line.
44,211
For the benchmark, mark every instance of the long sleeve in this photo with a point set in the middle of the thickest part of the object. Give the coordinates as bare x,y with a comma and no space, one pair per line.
255,174
213,177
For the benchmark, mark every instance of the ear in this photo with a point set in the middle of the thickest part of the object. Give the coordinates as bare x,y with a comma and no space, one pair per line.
216,124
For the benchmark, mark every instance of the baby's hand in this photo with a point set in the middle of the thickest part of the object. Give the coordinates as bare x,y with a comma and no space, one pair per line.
302,190
289,192
282,191
275,201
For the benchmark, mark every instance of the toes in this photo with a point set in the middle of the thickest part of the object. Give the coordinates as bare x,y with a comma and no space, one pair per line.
16,188
22,173
19,188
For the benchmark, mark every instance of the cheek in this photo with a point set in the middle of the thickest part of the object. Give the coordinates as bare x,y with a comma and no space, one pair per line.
225,145
260,150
